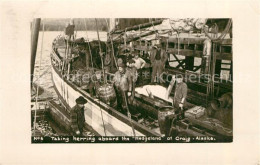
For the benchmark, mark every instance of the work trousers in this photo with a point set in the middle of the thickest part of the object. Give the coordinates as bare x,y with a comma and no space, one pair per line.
122,100
81,128
157,71
139,80
169,119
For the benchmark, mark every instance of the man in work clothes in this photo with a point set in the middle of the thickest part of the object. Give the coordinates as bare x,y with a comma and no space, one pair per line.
158,59
69,30
77,117
139,64
180,93
179,99
133,75
123,85
206,56
95,83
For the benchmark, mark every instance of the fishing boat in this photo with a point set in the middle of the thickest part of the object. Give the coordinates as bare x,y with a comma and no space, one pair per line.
183,40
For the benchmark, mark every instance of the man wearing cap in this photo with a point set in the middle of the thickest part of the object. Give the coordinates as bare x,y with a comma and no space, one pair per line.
180,93
158,59
179,99
123,85
77,117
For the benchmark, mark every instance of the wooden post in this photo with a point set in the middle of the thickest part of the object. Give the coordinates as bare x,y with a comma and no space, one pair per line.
189,63
34,42
218,67
87,58
231,71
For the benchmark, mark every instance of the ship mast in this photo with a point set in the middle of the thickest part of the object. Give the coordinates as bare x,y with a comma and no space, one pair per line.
34,41
100,51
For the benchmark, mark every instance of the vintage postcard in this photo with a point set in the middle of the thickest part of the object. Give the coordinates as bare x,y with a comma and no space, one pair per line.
130,82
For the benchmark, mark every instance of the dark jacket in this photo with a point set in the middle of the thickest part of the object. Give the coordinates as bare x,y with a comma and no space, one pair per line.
77,118
180,92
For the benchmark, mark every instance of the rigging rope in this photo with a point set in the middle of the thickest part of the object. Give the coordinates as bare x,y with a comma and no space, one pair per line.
125,95
90,52
100,51
88,43
125,39
113,53
103,74
140,35
223,34
37,90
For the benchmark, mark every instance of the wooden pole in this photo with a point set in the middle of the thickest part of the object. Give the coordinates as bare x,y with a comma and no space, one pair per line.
128,113
100,52
112,45
141,26
34,42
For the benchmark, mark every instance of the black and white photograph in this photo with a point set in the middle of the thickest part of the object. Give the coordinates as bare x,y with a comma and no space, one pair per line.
131,80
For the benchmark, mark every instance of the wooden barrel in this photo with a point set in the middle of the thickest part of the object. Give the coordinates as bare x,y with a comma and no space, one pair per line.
162,113
107,94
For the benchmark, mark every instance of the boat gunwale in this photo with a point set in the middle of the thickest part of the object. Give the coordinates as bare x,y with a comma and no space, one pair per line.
105,107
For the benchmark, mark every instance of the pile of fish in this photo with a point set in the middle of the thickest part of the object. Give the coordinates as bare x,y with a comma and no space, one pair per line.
155,90
44,128
150,123
87,133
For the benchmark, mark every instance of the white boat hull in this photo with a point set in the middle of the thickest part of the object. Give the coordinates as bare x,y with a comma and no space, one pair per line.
96,117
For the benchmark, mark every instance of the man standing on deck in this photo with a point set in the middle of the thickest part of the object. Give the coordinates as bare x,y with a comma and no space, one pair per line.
180,93
95,83
158,59
77,117
179,100
69,30
139,64
133,75
123,86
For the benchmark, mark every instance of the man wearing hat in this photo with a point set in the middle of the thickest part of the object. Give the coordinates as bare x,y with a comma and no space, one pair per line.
158,59
123,85
179,99
77,117
180,94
